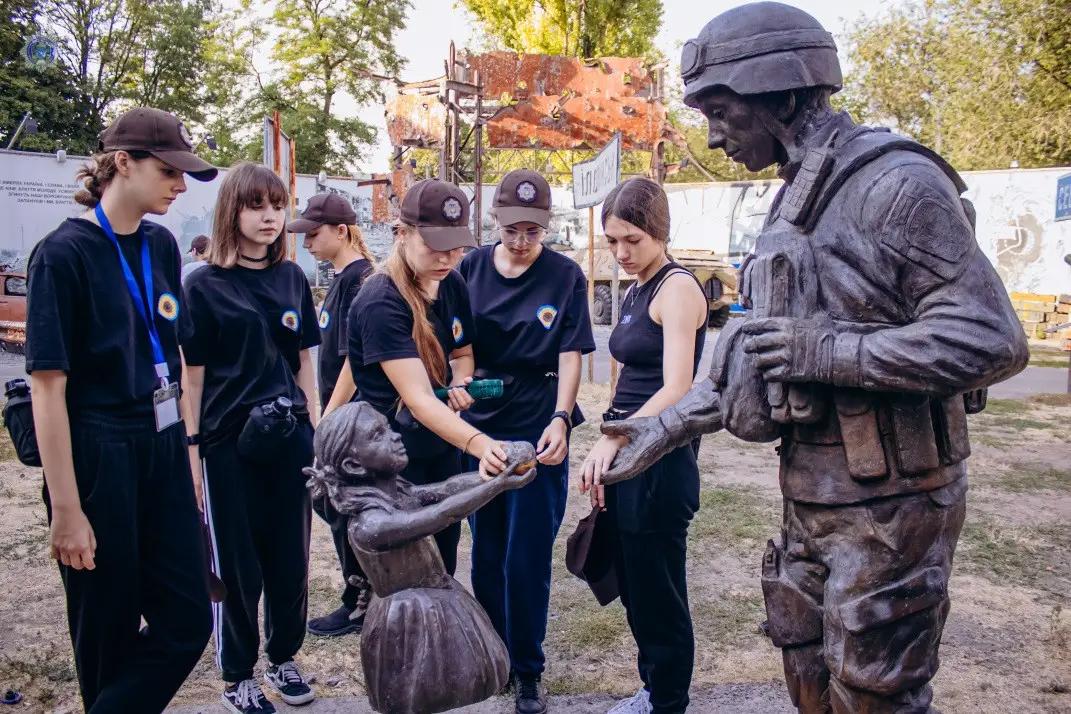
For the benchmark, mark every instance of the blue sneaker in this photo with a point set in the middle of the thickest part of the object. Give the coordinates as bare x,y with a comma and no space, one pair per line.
287,680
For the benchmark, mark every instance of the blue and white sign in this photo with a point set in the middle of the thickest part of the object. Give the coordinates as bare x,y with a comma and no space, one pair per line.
593,180
1063,198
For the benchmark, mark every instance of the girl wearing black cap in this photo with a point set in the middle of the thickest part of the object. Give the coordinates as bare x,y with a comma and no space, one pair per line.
532,326
410,331
249,368
102,350
329,224
659,341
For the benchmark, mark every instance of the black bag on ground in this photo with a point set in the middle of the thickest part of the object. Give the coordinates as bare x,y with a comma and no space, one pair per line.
266,434
18,418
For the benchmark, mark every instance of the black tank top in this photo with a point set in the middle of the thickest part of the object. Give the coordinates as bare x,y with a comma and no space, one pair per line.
636,343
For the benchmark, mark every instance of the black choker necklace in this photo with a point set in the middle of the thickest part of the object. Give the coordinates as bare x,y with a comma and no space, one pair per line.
243,256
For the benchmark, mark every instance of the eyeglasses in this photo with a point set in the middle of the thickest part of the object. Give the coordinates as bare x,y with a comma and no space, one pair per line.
532,235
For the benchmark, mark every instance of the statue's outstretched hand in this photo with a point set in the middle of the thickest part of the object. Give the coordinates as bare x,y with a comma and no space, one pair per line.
521,466
647,443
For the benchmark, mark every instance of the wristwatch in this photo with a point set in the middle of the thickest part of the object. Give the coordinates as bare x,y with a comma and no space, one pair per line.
564,416
193,440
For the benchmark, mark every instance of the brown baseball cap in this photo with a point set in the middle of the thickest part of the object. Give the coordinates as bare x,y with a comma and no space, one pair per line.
161,134
324,209
522,195
440,212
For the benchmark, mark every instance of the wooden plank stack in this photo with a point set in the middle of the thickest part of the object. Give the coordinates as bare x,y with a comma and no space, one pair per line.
1038,313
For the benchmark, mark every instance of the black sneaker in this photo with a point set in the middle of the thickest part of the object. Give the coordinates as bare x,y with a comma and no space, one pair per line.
245,697
342,621
286,679
529,697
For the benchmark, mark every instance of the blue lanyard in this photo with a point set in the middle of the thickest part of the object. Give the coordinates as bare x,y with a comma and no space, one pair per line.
140,301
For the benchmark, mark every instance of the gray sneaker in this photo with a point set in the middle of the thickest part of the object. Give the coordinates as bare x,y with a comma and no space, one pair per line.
639,703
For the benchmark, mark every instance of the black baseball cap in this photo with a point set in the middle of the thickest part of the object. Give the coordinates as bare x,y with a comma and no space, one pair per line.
440,212
522,195
161,134
328,209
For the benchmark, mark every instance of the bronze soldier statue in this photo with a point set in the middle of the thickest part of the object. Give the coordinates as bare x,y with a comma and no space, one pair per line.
875,324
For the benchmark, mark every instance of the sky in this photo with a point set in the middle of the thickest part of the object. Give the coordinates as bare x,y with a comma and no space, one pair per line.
433,23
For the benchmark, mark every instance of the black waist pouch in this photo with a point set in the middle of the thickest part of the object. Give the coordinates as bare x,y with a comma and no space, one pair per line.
268,432
18,418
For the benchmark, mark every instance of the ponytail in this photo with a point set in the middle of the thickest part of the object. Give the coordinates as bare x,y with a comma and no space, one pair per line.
356,240
405,279
96,175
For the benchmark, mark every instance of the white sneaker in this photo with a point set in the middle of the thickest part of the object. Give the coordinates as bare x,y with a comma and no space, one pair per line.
286,679
639,703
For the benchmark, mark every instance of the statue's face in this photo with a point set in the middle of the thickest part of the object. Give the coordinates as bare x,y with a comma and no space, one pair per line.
381,449
735,127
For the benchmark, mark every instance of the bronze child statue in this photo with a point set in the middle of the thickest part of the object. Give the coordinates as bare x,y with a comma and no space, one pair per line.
875,324
427,646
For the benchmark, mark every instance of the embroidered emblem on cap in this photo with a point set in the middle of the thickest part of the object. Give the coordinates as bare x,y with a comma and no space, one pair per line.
291,321
458,330
325,319
185,135
546,314
167,306
451,209
526,191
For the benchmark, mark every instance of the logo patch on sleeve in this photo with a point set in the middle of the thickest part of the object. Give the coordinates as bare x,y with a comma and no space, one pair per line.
546,315
325,319
167,306
458,330
291,321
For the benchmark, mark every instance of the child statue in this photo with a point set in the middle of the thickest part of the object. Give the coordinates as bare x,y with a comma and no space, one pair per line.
427,645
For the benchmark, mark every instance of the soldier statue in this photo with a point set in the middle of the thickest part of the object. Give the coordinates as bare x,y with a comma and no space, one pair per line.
875,323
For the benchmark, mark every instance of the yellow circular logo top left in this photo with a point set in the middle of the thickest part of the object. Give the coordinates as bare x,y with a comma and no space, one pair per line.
167,306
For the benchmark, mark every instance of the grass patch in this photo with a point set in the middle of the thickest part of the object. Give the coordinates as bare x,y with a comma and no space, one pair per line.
1036,557
722,620
1024,478
585,627
734,517
1051,400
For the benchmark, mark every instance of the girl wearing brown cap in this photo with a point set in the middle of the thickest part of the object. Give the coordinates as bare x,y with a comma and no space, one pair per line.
532,326
331,233
103,328
411,330
658,340
251,391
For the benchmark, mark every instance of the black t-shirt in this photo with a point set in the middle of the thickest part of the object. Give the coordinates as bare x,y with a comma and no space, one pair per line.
81,317
522,325
381,329
249,327
333,316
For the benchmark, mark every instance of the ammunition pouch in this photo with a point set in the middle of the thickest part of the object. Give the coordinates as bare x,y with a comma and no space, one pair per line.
794,617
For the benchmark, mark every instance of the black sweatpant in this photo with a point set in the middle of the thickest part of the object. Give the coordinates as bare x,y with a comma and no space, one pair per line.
435,470
339,525
259,521
652,512
135,488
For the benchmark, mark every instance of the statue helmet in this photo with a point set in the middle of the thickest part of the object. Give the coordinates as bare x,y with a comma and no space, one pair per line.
757,48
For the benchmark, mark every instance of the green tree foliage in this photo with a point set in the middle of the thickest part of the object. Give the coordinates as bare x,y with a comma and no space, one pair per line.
575,28
984,82
325,48
50,93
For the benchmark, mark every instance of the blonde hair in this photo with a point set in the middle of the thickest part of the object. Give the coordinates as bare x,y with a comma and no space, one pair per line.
98,174
405,279
356,240
247,185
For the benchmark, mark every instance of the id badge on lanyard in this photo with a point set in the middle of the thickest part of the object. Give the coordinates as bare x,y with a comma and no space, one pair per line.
165,397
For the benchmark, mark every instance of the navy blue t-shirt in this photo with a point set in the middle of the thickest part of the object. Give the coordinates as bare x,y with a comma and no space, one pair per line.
81,317
380,328
333,316
522,325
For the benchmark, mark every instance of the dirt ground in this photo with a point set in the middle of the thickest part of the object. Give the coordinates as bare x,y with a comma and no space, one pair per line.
1007,645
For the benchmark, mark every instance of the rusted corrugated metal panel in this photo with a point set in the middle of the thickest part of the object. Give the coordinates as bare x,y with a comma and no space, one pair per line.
387,197
564,103
416,120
